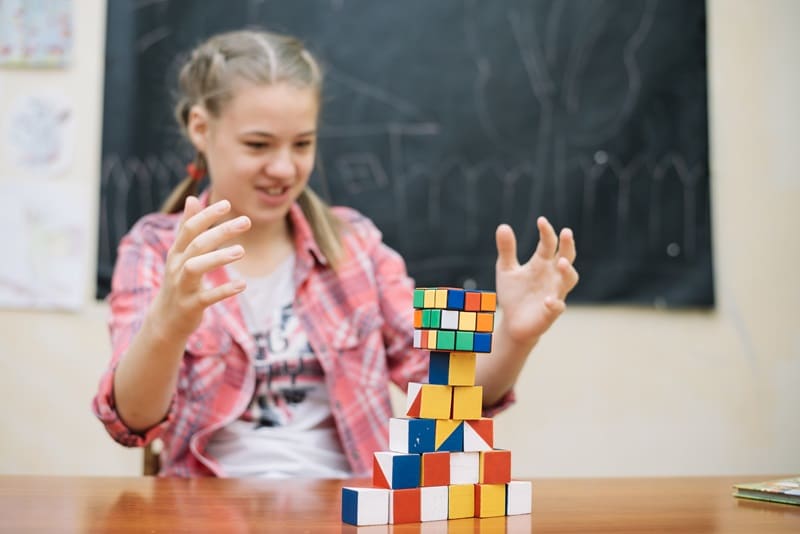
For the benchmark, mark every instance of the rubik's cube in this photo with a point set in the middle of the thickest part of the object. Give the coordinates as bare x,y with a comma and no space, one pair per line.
442,463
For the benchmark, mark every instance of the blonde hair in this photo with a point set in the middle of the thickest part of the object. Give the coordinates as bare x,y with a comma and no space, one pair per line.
208,79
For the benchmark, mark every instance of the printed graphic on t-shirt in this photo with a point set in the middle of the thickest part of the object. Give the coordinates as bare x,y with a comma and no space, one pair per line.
289,377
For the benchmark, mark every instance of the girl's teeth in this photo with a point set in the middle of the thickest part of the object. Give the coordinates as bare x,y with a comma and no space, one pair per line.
274,190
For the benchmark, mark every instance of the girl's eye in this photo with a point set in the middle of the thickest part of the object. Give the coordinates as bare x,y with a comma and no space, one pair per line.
304,144
257,145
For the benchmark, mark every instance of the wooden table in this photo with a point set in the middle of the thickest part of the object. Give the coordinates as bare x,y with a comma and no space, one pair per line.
672,505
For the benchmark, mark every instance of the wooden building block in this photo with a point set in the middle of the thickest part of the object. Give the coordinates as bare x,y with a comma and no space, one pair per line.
472,301
435,469
490,500
488,301
429,300
419,298
404,506
464,467
466,320
464,341
446,340
418,318
519,497
495,467
449,435
467,402
428,401
479,435
482,342
433,503
449,320
395,470
484,322
455,299
440,300
365,506
461,501
412,435
452,368
432,339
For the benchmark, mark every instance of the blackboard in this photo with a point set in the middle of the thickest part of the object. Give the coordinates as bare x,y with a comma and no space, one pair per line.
444,118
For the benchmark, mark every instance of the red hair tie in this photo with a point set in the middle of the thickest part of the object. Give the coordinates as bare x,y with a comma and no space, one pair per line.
195,172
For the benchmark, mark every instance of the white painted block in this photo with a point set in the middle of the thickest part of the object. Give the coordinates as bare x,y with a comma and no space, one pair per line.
464,467
365,506
449,320
434,501
519,495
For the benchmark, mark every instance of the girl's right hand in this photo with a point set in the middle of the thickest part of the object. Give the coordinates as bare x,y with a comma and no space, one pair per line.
183,296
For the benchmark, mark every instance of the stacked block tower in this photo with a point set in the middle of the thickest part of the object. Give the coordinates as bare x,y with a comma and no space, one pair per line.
442,463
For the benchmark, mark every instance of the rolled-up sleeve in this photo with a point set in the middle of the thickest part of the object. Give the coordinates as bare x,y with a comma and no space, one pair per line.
137,278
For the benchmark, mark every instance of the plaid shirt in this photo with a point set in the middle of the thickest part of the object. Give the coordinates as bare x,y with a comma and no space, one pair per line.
359,322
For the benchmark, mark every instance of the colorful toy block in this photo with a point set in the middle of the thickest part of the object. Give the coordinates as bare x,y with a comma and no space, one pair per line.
449,435
434,505
442,463
464,467
412,435
490,500
404,506
435,469
428,401
495,467
479,435
395,470
365,506
461,501
452,368
467,402
519,497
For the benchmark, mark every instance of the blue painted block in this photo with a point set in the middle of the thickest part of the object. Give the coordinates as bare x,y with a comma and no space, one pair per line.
406,471
482,342
455,299
439,368
455,441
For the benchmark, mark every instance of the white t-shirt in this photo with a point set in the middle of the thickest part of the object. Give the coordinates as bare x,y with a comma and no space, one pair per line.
288,430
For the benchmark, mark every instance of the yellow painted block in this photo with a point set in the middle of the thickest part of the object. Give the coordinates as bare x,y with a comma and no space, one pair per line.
466,321
462,501
462,369
444,427
441,298
490,500
432,339
467,402
428,401
430,298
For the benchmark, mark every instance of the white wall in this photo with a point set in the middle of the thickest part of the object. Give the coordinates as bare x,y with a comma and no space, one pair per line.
610,390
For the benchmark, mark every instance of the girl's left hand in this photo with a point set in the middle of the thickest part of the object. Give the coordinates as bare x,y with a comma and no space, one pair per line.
532,294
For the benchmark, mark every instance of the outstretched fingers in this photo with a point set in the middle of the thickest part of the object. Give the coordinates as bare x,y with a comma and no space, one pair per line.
566,245
569,275
548,241
506,248
196,220
212,295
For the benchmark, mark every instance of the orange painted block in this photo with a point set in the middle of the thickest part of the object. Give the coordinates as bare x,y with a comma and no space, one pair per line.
435,469
490,500
495,467
467,402
462,501
472,301
488,301
428,401
404,506
417,318
484,322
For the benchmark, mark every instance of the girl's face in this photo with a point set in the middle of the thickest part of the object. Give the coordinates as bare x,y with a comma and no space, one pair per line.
260,150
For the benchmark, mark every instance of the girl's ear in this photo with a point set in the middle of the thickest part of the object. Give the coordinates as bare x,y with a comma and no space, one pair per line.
197,127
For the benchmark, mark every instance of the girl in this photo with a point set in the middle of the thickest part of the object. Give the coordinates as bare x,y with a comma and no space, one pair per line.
255,329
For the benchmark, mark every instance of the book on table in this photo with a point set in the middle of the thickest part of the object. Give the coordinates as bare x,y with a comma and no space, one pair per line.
782,490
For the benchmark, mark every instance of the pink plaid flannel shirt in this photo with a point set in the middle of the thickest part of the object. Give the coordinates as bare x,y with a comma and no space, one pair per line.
359,322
